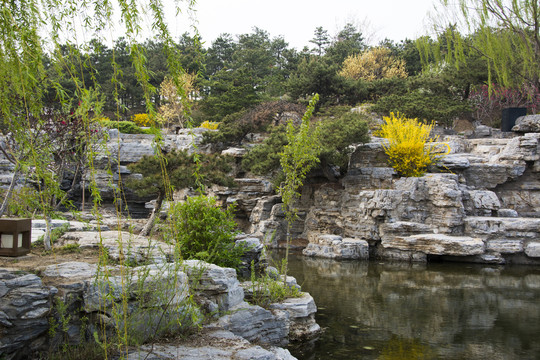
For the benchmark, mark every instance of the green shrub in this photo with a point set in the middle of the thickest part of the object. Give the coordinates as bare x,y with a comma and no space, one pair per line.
126,127
236,126
339,134
263,159
423,105
205,232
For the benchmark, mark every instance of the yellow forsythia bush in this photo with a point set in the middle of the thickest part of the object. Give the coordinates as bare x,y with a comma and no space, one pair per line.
409,146
212,125
142,119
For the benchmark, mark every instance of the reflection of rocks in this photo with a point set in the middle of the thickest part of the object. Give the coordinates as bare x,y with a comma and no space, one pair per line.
448,306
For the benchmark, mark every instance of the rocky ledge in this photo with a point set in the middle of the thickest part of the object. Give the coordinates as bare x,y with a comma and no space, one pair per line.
70,301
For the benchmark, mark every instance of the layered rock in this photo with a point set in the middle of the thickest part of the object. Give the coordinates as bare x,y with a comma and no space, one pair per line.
437,215
148,301
25,305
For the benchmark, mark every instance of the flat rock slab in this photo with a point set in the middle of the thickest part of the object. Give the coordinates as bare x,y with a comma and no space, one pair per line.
122,244
436,244
215,345
70,270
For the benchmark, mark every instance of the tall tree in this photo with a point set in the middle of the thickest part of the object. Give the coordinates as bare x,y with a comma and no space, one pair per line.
321,39
506,34
349,41
220,54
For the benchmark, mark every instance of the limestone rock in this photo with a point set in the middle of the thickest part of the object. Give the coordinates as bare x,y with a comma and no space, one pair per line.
218,286
507,213
301,311
505,246
71,270
256,324
251,256
234,152
25,304
522,148
533,249
437,244
454,162
218,345
134,248
336,247
527,124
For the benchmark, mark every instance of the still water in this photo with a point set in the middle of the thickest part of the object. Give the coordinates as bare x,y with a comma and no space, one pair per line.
380,310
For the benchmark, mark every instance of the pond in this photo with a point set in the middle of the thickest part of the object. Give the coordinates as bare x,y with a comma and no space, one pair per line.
381,310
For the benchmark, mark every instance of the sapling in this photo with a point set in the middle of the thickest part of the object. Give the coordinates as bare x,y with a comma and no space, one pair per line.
298,157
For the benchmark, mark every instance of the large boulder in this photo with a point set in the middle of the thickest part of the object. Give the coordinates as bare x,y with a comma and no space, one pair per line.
527,123
256,324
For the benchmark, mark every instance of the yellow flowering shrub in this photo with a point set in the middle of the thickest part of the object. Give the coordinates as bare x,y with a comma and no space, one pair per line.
373,64
212,125
409,146
142,119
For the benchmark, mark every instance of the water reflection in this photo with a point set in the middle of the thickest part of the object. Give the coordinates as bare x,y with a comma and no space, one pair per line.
375,310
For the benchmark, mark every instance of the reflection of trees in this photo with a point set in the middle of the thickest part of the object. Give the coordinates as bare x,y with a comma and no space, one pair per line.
453,309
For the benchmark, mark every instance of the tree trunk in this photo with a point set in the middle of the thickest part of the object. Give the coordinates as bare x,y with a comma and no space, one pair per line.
10,190
47,236
150,223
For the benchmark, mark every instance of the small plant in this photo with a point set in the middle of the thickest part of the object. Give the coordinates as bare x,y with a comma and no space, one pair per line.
205,231
266,289
70,248
211,125
56,234
409,148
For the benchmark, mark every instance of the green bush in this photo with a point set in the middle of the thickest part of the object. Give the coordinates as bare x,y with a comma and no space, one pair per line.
339,134
126,127
423,105
205,232
263,159
235,127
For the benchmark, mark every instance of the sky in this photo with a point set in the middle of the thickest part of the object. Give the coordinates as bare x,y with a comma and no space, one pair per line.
296,20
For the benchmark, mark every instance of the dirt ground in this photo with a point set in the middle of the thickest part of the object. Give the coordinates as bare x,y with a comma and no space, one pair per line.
38,259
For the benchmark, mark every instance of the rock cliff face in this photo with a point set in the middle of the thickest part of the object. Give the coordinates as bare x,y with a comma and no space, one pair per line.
480,204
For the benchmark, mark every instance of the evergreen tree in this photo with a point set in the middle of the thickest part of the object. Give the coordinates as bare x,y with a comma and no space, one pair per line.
321,39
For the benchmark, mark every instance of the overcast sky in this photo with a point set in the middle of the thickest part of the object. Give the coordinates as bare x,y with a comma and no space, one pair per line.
296,20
